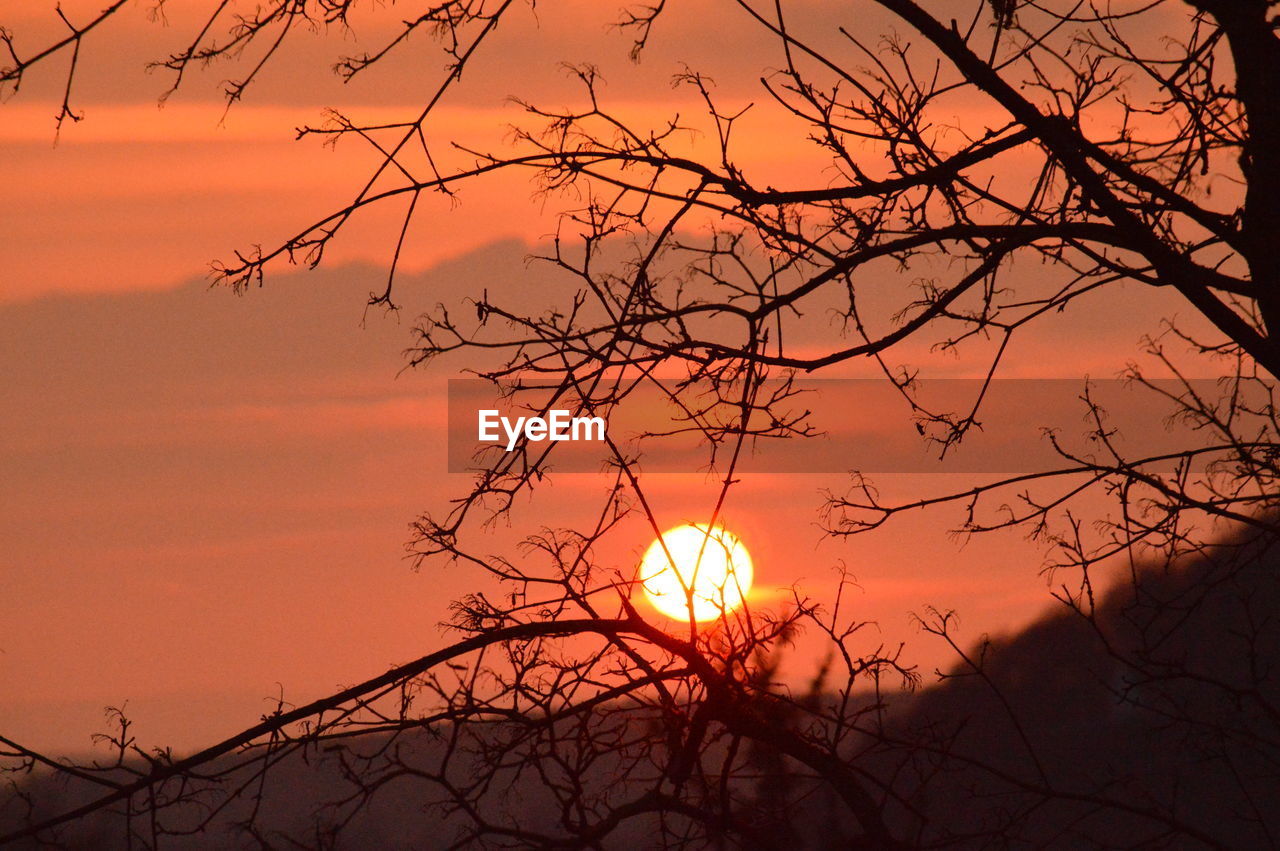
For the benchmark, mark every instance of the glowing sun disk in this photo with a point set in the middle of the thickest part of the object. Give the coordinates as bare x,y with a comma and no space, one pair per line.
714,565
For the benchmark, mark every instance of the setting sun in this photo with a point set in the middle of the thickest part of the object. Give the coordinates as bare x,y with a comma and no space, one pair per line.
714,565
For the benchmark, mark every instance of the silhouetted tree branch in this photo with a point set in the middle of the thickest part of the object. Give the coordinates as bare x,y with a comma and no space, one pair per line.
686,265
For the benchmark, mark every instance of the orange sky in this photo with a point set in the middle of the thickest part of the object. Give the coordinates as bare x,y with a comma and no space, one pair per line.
207,495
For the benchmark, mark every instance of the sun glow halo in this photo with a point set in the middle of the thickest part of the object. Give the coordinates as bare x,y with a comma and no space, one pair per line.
715,566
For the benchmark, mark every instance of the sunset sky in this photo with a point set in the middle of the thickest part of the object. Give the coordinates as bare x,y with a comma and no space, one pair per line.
207,496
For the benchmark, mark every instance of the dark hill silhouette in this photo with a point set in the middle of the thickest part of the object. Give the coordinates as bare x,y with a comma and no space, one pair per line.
1152,725
1165,702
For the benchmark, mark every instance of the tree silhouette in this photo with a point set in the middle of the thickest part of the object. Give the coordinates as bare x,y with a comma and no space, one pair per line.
1130,122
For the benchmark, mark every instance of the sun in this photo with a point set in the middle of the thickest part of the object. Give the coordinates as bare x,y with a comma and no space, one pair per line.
714,565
